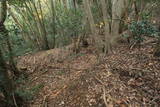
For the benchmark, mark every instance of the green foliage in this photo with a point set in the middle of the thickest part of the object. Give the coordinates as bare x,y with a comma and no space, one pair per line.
28,94
18,44
68,24
17,2
25,92
79,2
146,15
142,28
69,21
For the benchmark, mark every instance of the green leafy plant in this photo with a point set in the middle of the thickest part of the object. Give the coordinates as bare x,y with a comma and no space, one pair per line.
28,93
68,24
141,29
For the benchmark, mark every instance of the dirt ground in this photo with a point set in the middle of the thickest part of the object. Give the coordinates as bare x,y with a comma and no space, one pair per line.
125,78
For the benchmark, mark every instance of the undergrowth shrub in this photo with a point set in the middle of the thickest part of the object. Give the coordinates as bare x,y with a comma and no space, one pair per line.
24,91
141,29
68,24
19,45
28,94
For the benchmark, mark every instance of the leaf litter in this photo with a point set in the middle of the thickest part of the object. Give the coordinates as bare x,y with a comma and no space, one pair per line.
126,78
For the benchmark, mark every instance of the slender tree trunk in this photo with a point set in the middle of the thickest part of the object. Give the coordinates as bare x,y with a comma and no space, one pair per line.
4,31
11,59
106,27
118,9
75,4
94,37
89,17
6,83
53,12
34,29
42,27
65,4
136,10
7,86
117,6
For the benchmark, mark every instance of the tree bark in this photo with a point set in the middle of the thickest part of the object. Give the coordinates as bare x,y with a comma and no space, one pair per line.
106,27
94,37
118,10
43,31
3,31
53,12
6,83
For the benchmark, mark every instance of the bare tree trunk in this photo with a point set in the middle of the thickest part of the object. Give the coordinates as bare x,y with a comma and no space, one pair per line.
136,10
34,29
6,83
42,26
89,17
95,39
44,31
53,11
106,27
3,30
65,4
117,6
74,4
118,9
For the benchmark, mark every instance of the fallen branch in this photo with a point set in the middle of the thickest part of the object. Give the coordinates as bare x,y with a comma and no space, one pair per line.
100,81
104,97
44,104
34,79
15,103
58,92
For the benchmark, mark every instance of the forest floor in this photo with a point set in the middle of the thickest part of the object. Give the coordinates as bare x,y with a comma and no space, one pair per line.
125,78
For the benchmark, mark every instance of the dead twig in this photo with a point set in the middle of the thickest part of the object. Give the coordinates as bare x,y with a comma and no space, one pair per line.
104,96
157,97
15,103
139,69
100,81
34,79
44,103
59,91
